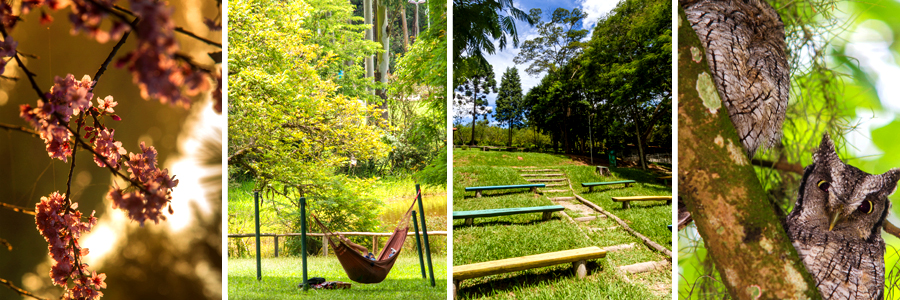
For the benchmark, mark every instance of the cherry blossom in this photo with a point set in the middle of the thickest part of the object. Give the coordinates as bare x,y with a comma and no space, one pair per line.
110,149
147,203
62,226
68,97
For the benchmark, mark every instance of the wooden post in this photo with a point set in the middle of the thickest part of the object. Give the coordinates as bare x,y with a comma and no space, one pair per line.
276,245
324,245
546,216
470,221
478,194
669,202
534,190
374,245
580,268
455,286
591,189
626,205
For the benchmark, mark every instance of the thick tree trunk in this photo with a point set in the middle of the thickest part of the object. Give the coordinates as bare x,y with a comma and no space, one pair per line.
716,181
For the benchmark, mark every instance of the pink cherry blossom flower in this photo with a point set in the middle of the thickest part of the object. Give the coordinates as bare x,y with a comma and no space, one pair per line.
147,203
107,104
110,149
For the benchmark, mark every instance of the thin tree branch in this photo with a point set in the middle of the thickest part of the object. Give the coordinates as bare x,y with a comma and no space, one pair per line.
20,290
202,39
111,55
17,208
28,73
782,165
19,128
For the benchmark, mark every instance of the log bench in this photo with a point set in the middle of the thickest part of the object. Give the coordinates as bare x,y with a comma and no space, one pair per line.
478,189
591,185
470,215
626,201
578,258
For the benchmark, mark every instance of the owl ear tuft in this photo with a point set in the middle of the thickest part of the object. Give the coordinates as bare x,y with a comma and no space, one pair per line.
890,180
826,150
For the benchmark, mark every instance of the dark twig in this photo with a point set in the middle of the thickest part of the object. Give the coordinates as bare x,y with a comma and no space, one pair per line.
7,244
72,166
30,75
17,208
19,290
19,128
187,59
202,39
9,78
111,55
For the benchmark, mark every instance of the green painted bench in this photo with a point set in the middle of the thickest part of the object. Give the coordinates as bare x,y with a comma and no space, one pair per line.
591,185
478,189
470,215
578,258
627,200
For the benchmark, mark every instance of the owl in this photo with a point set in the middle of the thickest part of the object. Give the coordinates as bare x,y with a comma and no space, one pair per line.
745,49
836,225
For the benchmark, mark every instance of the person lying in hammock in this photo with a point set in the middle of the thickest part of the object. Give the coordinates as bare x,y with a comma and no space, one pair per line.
363,250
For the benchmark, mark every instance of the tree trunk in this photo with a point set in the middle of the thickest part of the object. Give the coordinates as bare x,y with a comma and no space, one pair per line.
383,64
370,60
510,135
403,22
742,234
474,113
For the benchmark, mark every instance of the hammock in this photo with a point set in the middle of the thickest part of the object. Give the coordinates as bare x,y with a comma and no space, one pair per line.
358,267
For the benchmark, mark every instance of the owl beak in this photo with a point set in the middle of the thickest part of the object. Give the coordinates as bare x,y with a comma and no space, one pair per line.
835,218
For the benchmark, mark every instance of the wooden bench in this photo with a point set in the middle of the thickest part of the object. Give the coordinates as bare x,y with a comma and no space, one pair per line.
470,215
578,258
665,179
591,185
478,189
626,200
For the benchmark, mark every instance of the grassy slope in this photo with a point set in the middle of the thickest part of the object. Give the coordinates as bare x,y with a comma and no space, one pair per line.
518,235
282,275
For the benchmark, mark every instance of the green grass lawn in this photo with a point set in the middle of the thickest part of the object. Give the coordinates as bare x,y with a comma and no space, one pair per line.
281,277
526,234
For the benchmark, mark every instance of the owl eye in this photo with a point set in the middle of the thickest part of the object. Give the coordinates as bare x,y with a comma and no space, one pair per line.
866,207
823,185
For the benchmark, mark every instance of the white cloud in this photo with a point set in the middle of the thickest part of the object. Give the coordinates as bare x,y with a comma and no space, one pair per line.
595,9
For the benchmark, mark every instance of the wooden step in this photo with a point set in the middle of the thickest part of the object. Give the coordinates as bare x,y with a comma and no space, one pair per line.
619,247
603,229
541,175
547,180
538,170
645,266
586,219
527,262
556,184
556,191
562,198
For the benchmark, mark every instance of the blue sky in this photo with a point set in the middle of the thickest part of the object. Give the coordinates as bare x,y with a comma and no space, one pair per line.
504,59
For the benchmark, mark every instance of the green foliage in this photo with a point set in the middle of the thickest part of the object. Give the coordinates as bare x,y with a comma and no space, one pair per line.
558,41
476,24
510,107
290,125
617,91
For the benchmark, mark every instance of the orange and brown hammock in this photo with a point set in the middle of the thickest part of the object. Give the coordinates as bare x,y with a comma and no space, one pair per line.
358,267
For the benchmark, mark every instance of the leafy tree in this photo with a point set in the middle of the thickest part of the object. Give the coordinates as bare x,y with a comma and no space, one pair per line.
510,105
473,92
289,127
476,25
558,42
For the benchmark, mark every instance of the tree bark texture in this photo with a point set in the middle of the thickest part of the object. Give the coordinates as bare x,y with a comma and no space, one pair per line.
739,226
